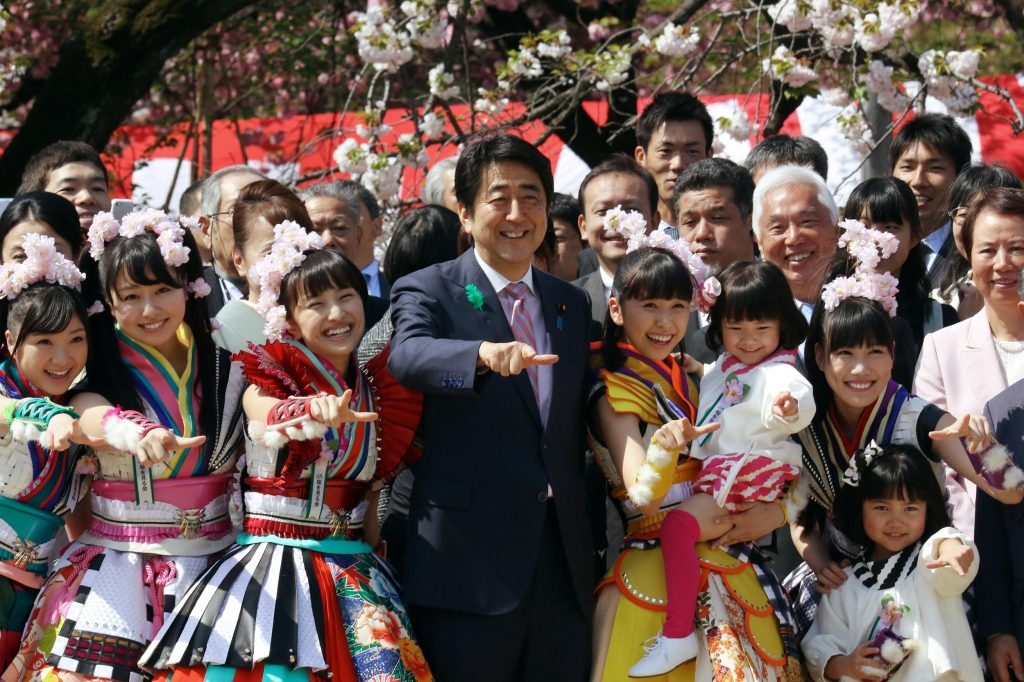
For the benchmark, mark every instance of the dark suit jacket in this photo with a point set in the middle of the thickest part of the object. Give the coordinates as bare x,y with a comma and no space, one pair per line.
594,287
215,301
478,504
586,261
695,341
385,287
937,272
999,531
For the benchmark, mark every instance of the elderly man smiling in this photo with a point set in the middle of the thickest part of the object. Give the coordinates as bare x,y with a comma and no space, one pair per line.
795,221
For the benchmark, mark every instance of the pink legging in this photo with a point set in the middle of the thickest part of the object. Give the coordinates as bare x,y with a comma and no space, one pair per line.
680,533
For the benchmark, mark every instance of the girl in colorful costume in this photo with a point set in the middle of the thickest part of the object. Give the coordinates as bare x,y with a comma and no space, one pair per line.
302,594
900,613
759,397
643,396
849,362
165,422
41,474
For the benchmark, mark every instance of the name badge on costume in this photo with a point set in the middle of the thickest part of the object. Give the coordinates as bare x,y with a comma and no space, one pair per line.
143,483
317,490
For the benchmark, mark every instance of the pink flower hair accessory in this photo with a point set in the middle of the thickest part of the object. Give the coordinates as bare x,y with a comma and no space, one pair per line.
170,236
199,288
291,241
633,226
42,262
868,248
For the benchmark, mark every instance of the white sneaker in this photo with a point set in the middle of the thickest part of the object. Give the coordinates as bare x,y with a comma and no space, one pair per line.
664,655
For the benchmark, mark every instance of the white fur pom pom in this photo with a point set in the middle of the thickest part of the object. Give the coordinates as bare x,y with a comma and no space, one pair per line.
1014,479
659,456
640,494
122,434
307,430
23,431
996,458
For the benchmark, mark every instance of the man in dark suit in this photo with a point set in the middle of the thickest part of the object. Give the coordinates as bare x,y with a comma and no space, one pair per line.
999,588
498,572
619,181
927,154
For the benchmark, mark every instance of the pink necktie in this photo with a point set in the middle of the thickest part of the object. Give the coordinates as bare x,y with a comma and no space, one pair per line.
522,328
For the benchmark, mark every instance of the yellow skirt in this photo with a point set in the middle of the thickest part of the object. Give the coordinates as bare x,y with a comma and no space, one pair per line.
739,634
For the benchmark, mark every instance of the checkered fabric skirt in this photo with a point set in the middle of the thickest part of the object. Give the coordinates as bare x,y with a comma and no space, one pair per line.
99,610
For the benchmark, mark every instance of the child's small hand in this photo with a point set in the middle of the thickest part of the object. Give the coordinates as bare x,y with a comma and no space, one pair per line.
859,664
675,435
955,554
785,406
830,576
334,410
974,428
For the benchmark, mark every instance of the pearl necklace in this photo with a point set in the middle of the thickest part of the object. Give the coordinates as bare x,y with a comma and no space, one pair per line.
1009,346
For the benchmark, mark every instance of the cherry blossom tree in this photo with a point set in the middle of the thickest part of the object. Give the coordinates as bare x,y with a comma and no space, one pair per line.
69,68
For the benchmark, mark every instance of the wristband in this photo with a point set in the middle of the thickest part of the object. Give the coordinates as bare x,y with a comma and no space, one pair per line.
996,467
654,477
124,429
29,417
288,419
785,513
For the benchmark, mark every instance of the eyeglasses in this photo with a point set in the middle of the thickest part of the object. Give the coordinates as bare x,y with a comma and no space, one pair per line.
958,213
214,215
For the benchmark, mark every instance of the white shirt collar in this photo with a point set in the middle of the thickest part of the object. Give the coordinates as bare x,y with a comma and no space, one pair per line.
606,281
936,239
500,281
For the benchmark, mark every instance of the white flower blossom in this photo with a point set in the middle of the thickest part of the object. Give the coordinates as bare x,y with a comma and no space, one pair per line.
784,66
351,156
879,80
431,125
792,14
442,83
677,41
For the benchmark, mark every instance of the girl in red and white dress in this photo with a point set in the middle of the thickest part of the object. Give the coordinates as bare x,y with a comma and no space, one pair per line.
302,594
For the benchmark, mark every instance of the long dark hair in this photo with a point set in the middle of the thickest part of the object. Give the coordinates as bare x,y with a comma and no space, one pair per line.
42,308
644,274
900,472
44,207
890,200
139,260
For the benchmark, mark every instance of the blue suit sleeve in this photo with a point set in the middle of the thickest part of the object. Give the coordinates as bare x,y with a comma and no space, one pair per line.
995,573
422,359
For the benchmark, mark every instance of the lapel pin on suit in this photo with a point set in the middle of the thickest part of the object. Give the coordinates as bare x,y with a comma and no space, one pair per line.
475,297
558,320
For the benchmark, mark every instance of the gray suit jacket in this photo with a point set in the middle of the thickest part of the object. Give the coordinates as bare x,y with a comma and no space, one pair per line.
594,287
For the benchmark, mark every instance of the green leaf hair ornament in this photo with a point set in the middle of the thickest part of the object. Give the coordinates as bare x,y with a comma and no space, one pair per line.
475,296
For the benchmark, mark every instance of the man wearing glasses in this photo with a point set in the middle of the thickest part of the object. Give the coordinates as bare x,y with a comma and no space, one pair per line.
219,193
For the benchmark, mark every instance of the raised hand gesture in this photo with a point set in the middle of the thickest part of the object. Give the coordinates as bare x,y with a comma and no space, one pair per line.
334,410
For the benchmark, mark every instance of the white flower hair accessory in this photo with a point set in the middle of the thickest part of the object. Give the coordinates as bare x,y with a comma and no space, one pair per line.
859,463
42,262
868,248
291,241
633,226
169,233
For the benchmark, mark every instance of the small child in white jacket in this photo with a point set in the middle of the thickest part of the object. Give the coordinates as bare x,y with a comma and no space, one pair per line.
900,614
